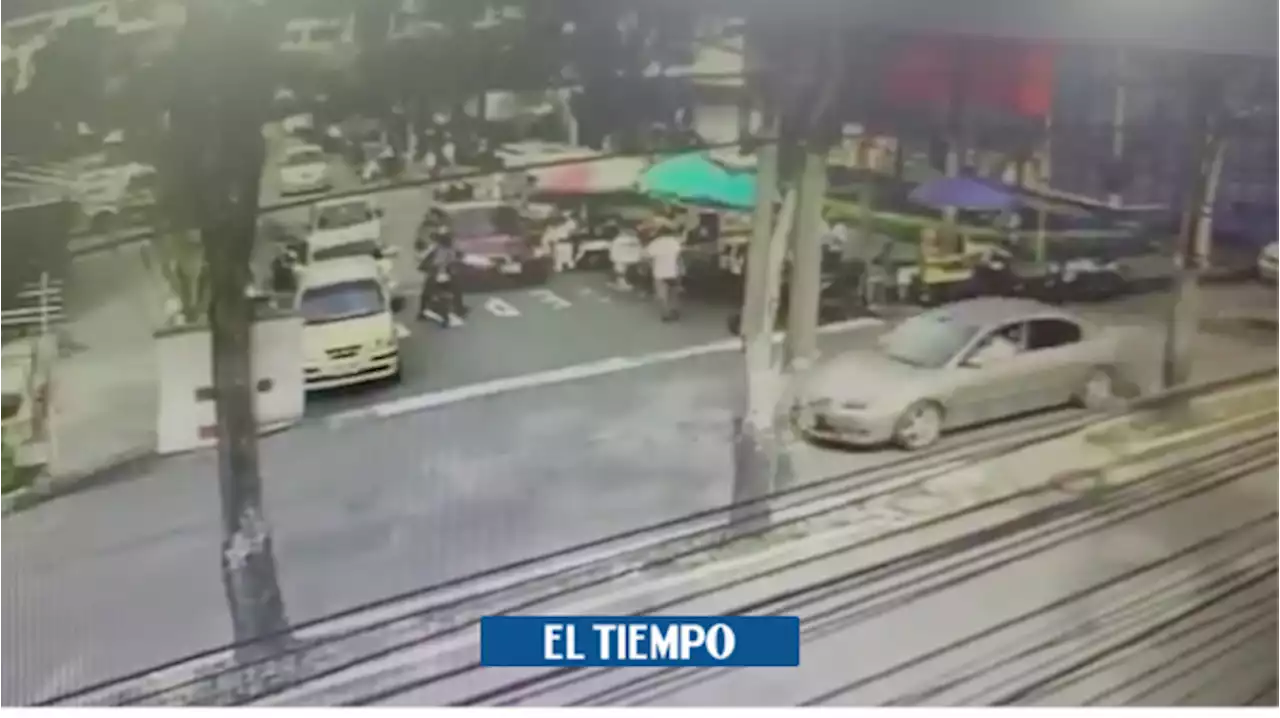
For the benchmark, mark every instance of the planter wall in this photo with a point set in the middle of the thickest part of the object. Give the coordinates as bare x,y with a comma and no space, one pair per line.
185,417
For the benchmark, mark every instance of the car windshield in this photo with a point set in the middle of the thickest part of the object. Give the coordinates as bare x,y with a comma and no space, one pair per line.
366,248
485,221
304,157
337,216
346,300
929,340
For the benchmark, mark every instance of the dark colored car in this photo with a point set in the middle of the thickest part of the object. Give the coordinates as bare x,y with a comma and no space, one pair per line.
494,240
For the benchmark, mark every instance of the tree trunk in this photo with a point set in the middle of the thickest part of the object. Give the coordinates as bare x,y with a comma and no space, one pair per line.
248,563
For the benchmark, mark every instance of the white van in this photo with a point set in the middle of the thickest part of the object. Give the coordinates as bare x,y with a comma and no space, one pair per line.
350,335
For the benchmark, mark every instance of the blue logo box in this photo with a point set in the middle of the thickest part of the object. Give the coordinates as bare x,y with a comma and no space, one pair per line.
695,641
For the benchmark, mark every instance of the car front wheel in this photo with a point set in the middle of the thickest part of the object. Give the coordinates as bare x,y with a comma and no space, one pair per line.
919,427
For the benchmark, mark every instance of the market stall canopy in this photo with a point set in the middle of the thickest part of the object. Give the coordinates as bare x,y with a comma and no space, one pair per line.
696,179
963,193
604,176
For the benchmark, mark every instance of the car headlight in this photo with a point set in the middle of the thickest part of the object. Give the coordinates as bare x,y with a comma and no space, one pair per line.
475,260
540,251
387,342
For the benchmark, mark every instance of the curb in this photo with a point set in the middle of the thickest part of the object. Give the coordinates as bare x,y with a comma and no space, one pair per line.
116,468
1100,474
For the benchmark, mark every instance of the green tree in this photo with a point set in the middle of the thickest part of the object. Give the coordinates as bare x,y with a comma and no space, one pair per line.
66,89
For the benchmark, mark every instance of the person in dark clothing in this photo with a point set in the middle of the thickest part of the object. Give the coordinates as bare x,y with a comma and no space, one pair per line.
441,298
284,278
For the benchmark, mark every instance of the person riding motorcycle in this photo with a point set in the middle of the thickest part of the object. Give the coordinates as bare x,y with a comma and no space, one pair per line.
438,261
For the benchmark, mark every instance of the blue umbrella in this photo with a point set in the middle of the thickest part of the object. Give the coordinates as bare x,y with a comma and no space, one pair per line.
695,178
963,193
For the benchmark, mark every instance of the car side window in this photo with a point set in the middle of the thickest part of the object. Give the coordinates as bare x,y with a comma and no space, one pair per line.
1050,333
1000,344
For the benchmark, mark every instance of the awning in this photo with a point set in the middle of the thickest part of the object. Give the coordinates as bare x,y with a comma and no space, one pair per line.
963,193
694,178
606,176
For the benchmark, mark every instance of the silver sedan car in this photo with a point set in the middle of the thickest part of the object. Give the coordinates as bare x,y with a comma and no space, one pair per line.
958,365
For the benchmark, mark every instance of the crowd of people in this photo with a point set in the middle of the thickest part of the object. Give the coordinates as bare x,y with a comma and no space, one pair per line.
644,257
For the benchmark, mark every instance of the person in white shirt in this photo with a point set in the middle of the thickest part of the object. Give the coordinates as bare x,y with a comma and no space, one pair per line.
624,251
557,241
664,254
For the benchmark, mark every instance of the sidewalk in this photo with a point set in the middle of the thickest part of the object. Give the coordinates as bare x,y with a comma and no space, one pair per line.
104,381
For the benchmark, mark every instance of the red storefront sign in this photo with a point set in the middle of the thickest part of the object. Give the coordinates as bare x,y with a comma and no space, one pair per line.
1004,75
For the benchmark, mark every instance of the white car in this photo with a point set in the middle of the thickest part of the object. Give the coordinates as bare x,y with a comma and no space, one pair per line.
107,194
349,335
522,154
305,168
301,122
1267,261
350,227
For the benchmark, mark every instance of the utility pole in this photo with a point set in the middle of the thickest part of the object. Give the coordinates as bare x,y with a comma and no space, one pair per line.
757,451
812,121
216,126
1118,118
806,261
1192,250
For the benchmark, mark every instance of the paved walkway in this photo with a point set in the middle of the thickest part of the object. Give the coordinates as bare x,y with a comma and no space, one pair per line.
104,392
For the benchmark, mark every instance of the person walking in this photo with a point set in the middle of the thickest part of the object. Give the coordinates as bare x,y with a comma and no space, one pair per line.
625,251
558,241
664,257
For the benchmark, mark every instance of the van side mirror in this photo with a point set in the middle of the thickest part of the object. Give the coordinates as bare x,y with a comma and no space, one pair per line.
397,304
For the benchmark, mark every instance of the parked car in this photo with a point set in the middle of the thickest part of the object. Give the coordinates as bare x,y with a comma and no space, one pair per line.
349,332
1267,263
343,228
305,168
494,238
958,365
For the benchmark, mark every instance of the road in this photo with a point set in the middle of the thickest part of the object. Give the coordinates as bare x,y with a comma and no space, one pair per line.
1161,593
124,576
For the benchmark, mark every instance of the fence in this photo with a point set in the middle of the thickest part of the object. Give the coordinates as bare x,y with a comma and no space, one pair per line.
36,308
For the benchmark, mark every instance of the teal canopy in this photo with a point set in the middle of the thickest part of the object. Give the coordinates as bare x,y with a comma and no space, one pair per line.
696,179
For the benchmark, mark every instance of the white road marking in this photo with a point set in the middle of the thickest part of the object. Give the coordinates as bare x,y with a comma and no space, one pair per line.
456,321
402,332
575,372
549,297
499,307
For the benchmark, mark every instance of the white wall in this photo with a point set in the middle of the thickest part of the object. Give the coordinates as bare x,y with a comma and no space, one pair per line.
185,417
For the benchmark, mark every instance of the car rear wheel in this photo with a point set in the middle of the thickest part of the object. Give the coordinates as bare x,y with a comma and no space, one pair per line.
919,427
1098,390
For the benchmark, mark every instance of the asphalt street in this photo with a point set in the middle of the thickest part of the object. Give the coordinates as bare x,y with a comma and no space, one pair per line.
125,576
1161,596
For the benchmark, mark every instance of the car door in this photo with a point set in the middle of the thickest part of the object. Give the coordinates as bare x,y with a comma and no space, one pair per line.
982,391
1054,365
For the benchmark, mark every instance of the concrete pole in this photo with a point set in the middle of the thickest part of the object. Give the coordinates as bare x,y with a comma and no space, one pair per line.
806,264
1118,112
756,446
1189,260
